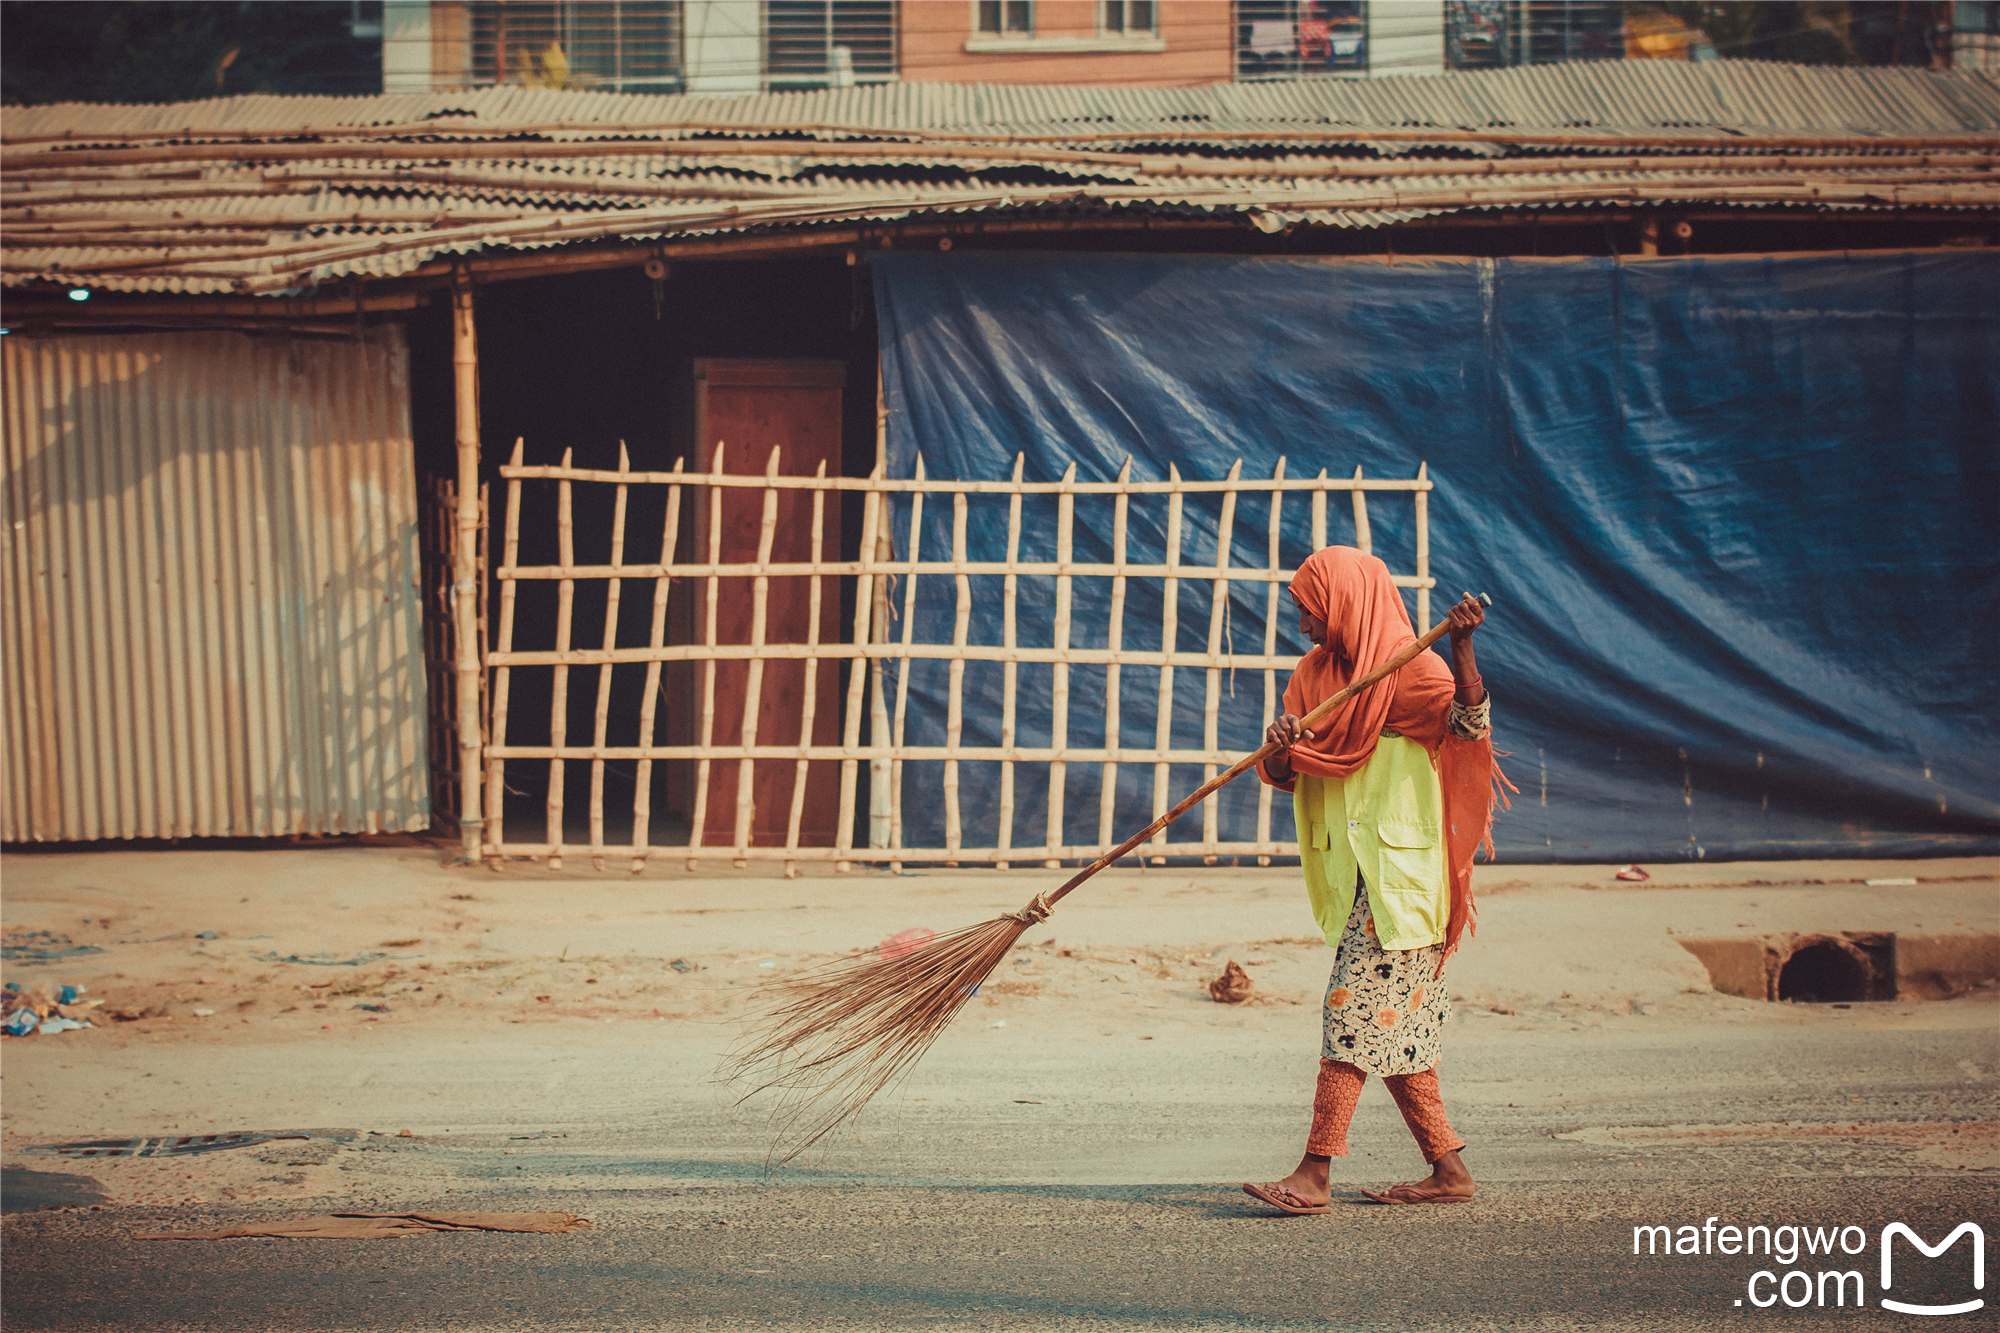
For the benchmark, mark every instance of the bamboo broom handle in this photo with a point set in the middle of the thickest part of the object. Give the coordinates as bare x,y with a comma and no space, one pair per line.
1249,761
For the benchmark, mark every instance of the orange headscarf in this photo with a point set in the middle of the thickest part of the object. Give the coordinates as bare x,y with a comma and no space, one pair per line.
1364,614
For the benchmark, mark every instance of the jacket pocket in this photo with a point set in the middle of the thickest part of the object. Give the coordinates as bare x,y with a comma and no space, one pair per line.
1407,835
1319,836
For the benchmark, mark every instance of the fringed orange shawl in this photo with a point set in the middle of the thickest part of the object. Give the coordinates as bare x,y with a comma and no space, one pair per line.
1352,593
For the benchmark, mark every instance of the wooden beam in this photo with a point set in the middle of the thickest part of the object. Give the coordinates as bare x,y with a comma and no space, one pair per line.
465,570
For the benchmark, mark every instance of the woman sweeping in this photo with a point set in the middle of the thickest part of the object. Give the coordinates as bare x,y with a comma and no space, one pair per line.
1392,794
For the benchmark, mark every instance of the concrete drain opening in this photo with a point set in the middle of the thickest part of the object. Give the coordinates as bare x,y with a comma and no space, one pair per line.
1849,967
1831,971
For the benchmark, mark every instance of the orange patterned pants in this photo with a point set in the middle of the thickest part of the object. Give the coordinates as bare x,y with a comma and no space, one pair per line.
1416,1097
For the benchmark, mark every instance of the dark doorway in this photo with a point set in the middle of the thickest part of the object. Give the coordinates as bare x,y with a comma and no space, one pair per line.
579,364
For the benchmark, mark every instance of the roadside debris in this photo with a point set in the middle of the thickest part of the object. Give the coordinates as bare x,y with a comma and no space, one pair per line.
683,965
34,947
45,1012
906,941
1631,872
371,1226
326,960
171,1146
1233,986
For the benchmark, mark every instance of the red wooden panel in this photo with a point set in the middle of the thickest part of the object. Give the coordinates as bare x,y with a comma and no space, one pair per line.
752,406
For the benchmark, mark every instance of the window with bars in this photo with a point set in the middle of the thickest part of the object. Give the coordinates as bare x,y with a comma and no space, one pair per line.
829,43
1490,34
1003,18
1123,16
615,45
1290,39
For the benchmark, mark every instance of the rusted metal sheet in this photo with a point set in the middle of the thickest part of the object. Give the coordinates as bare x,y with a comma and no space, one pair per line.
212,623
261,195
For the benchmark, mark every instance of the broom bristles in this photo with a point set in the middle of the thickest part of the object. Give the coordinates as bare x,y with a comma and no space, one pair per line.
832,1039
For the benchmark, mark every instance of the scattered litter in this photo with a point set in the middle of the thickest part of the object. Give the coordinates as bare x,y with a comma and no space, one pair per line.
1001,1024
1878,883
373,1008
42,946
179,1146
544,1134
683,965
1023,1101
21,1022
370,1226
206,935
68,993
767,963
404,1134
204,1013
1631,872
326,960
906,941
1233,986
58,1023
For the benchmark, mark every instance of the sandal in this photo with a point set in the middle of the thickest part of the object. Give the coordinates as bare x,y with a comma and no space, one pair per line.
1412,1192
1282,1197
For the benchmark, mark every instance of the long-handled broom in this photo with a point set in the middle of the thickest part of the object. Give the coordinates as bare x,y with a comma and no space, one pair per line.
834,1037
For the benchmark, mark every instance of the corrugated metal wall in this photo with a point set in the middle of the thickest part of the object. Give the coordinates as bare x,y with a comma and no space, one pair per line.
212,624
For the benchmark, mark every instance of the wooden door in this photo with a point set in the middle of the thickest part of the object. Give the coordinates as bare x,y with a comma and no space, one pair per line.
752,406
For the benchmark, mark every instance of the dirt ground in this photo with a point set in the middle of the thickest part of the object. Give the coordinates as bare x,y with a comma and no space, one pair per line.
242,990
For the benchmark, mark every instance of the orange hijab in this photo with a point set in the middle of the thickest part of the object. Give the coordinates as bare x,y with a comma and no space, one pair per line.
1364,614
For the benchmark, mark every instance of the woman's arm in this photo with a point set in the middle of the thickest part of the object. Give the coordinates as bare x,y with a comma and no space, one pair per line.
1464,619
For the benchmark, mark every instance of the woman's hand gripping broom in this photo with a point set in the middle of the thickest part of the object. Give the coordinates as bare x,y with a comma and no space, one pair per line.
835,1037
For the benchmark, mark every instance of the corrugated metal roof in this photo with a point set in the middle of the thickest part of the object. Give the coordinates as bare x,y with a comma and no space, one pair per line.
262,194
211,623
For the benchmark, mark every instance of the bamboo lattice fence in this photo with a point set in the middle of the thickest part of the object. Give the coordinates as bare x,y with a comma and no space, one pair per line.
881,647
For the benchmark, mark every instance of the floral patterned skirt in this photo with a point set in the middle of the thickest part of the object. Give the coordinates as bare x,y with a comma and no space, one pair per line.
1385,1009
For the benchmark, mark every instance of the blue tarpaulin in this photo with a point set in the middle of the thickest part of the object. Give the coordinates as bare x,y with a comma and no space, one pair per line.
1738,518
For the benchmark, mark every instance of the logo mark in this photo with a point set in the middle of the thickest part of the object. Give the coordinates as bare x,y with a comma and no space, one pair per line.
1895,1229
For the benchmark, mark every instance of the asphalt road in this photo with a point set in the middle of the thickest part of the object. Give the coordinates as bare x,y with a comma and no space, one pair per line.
1109,1200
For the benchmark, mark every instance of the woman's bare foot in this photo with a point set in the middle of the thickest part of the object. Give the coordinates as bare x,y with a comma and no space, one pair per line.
1304,1190
1448,1182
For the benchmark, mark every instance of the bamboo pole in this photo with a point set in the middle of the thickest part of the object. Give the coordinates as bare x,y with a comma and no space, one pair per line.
1264,848
1010,673
1169,640
903,672
943,652
1059,684
1218,621
859,672
880,802
496,769
1114,639
1286,133
465,570
601,721
753,692
802,568
559,698
708,663
810,704
1422,498
1363,540
954,724
946,486
1024,754
656,636
1319,512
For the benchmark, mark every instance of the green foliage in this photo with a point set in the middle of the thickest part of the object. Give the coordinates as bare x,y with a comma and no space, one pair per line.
161,51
